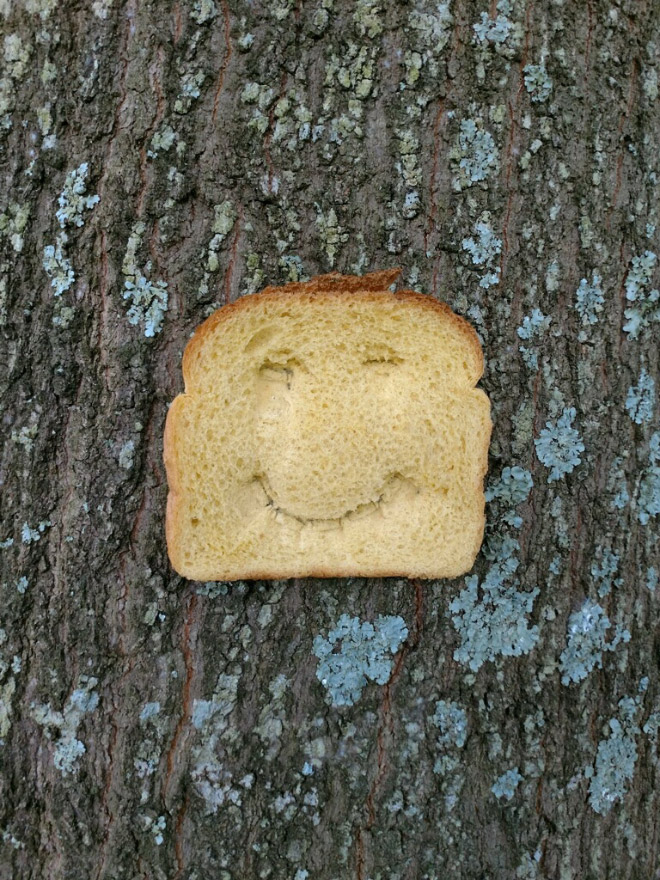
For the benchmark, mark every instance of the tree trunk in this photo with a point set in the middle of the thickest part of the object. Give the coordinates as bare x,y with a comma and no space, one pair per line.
160,160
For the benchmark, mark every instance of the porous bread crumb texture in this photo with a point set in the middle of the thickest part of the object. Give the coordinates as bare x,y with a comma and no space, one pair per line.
328,429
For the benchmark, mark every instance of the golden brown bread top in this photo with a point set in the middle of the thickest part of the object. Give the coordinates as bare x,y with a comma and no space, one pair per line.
371,287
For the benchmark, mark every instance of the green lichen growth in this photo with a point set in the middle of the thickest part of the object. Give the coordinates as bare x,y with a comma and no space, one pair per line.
331,233
13,221
223,223
17,55
162,141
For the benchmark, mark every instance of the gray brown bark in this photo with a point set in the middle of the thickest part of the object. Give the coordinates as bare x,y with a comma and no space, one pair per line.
238,144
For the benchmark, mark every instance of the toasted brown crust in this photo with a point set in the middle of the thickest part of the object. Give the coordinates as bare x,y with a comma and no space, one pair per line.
370,287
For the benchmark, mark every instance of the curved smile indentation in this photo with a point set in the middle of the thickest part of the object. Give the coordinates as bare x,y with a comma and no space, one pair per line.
394,485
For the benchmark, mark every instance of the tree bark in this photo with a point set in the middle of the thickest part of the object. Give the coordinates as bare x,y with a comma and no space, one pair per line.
506,157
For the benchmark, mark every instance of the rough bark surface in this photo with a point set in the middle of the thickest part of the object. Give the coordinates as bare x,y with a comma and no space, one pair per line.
153,727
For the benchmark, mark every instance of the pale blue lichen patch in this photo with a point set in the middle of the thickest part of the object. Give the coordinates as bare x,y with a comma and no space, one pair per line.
148,298
22,584
451,721
647,303
30,535
589,301
484,250
26,435
648,501
58,266
555,565
203,11
586,642
211,780
203,711
101,8
149,710
552,277
293,268
475,152
191,86
490,30
155,826
73,201
214,784
537,82
212,589
531,330
640,274
492,618
68,748
641,399
651,578
219,706
603,570
651,729
355,652
511,489
559,446
148,302
126,454
618,486
529,866
615,759
505,785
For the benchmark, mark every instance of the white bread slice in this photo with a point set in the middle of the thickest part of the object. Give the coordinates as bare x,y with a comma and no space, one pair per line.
328,429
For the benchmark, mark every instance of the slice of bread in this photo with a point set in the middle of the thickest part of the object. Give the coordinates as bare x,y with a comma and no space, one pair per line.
328,429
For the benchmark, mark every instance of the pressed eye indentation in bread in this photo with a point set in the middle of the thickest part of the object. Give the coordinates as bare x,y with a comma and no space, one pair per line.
330,428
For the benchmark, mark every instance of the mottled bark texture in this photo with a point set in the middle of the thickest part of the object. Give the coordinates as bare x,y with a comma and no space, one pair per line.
157,728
